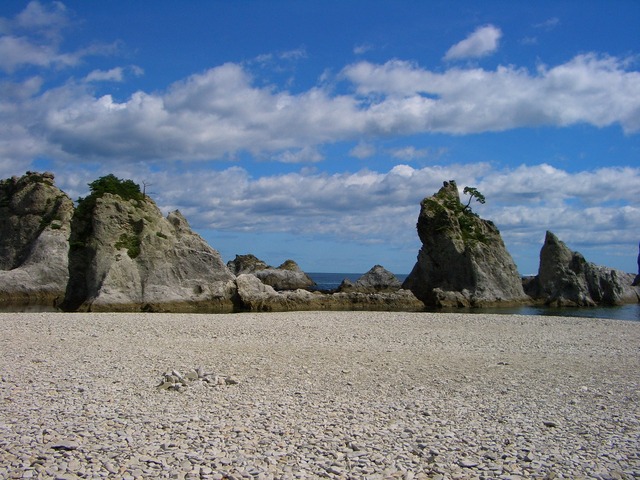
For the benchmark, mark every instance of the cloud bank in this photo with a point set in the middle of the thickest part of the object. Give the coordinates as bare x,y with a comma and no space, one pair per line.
369,207
220,112
217,113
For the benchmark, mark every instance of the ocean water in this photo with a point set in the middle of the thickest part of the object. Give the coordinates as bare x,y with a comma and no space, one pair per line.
621,312
331,281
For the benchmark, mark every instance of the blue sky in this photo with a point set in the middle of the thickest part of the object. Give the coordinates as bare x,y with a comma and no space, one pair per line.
312,130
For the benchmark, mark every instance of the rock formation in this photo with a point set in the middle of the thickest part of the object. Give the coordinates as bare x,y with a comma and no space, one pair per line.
255,296
566,279
378,279
246,264
463,261
116,252
287,276
125,256
35,218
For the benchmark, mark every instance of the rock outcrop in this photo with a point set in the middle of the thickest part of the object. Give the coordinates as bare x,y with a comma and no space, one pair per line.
246,264
116,252
378,279
35,219
566,279
287,276
463,261
125,256
253,295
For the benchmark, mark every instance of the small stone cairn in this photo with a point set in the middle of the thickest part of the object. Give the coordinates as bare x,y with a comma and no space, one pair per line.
175,381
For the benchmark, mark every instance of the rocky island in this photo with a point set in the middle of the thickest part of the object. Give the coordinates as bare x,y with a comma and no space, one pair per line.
463,261
115,251
567,279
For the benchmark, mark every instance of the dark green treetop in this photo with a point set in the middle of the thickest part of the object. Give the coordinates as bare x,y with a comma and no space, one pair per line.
127,189
473,194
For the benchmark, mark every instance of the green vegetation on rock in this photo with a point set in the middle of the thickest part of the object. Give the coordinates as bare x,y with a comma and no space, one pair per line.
125,189
446,206
131,242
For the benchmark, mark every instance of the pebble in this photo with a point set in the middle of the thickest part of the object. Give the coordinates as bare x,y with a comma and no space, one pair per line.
318,395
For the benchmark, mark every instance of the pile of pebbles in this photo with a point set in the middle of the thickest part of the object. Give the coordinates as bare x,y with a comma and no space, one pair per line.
338,395
175,381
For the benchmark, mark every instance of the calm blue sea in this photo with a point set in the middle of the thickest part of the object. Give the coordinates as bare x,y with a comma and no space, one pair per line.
330,281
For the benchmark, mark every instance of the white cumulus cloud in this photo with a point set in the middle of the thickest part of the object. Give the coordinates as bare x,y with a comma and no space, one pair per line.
302,155
587,89
113,75
16,52
220,112
49,19
409,153
34,37
116,74
483,41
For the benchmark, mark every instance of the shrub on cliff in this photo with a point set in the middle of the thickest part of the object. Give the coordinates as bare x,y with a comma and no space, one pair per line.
126,189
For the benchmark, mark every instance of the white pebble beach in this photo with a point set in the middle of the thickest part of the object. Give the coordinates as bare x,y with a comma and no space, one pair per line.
369,395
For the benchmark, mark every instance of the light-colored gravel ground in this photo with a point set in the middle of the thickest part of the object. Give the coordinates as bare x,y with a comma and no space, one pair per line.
319,394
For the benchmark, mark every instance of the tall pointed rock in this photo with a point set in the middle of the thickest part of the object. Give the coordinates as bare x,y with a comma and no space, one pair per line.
463,261
566,279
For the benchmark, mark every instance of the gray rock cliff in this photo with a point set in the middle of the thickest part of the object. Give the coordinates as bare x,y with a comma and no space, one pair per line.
566,279
287,276
125,256
35,222
463,261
